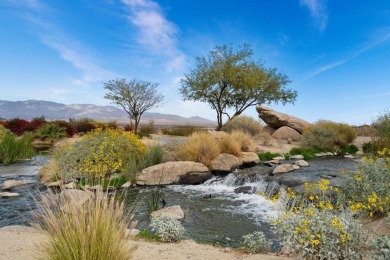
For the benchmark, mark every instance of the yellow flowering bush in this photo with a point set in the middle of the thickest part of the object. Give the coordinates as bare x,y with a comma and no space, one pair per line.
367,190
99,154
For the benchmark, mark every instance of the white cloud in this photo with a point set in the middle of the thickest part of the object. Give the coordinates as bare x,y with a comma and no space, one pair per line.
156,32
317,10
385,94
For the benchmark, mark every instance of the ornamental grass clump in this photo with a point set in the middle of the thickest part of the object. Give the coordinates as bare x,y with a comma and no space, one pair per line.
90,230
167,227
244,124
13,148
99,154
257,242
199,147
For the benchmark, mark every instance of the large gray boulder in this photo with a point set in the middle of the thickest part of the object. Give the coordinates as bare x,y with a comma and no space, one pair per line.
287,133
174,211
283,168
276,119
182,172
225,163
249,159
13,183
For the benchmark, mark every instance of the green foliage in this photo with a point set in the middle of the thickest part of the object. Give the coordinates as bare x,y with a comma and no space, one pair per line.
244,124
153,156
186,130
134,96
231,80
381,246
328,136
366,191
256,242
99,154
307,152
148,235
153,201
349,149
382,125
90,230
267,156
3,132
51,132
13,148
369,147
167,227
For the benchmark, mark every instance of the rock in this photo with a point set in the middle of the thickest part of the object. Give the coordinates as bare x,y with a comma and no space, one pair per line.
249,159
70,185
182,172
349,156
268,129
74,195
20,228
12,183
283,168
9,194
296,167
298,157
359,153
131,232
279,158
126,185
287,133
225,163
276,119
174,211
274,161
245,190
217,134
55,184
301,163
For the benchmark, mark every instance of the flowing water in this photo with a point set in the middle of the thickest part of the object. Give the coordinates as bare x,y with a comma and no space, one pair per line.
214,212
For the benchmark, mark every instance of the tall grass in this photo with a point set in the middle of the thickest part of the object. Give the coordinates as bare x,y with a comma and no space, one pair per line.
92,230
13,148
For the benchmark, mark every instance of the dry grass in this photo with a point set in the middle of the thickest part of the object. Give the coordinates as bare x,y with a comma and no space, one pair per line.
48,172
243,139
230,145
199,147
88,230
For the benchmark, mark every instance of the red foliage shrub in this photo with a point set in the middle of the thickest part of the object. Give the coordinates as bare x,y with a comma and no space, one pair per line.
70,129
17,126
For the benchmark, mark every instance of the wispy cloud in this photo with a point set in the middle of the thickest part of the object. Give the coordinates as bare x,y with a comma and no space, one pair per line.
317,10
377,95
381,37
155,31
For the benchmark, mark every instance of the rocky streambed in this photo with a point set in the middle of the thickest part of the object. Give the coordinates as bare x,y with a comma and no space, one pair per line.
221,210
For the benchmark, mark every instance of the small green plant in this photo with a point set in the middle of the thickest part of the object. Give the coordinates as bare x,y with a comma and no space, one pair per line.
307,152
167,227
13,148
267,156
382,124
349,149
148,235
245,124
257,242
153,156
381,246
153,201
51,132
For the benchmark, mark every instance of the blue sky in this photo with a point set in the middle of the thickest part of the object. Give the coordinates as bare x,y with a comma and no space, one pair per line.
336,53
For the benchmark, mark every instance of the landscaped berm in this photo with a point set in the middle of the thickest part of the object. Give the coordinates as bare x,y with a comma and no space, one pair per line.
84,213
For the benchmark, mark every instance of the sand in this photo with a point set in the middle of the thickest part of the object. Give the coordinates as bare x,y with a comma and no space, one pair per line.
22,243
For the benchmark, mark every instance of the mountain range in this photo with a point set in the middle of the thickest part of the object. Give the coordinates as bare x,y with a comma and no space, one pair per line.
51,111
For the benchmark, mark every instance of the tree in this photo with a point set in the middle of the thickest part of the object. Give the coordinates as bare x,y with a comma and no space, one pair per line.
229,80
134,96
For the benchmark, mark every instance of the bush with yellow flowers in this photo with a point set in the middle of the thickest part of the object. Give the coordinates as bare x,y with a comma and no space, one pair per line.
367,190
312,226
99,154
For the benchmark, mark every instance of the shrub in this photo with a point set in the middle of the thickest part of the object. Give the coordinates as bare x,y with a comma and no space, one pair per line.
243,123
51,132
13,148
267,156
84,125
381,245
153,156
3,132
229,145
148,129
99,154
382,125
199,147
186,130
328,135
243,139
70,129
167,227
128,128
257,242
369,147
349,149
90,230
16,125
366,191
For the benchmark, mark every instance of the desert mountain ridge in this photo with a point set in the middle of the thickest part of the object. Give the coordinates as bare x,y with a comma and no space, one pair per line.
53,111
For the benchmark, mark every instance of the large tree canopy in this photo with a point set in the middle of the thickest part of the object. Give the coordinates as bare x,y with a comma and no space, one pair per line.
232,80
134,96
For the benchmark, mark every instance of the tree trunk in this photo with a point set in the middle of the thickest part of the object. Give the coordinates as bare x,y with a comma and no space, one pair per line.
219,121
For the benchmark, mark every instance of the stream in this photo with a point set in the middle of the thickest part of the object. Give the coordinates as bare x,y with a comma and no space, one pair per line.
222,219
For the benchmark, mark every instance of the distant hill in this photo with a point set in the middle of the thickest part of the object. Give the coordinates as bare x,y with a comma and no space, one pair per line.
50,110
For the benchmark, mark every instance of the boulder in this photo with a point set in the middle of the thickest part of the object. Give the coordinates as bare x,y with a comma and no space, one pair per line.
131,232
225,163
297,157
55,184
70,185
276,119
279,158
283,168
359,153
249,159
174,211
287,133
182,172
126,185
13,183
349,156
9,194
301,163
268,129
